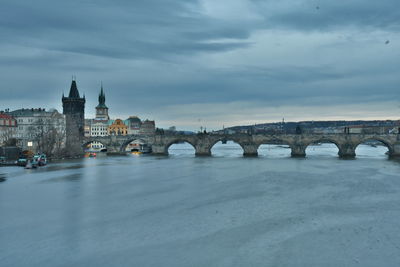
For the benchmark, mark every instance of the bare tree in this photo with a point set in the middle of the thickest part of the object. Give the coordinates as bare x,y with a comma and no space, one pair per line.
47,138
7,136
59,142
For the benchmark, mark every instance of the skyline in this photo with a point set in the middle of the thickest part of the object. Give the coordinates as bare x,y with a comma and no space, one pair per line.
201,63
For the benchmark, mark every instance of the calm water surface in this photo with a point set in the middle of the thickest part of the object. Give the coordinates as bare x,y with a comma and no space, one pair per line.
224,210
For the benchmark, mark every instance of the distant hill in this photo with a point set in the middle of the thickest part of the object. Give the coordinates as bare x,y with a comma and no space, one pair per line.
290,127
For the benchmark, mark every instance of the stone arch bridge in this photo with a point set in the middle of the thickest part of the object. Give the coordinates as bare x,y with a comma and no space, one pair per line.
202,143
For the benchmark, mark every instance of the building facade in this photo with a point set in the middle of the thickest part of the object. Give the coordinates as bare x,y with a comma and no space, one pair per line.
118,128
147,127
39,130
8,127
134,124
87,127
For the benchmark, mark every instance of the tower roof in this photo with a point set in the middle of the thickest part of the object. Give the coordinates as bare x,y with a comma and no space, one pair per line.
102,99
73,92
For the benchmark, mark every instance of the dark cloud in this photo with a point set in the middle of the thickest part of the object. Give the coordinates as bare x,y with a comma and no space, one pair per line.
158,54
119,29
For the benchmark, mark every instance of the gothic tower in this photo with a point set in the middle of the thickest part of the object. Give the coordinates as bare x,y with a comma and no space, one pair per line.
74,111
102,109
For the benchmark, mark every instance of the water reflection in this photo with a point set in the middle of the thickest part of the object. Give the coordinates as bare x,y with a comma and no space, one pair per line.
274,151
181,149
322,150
371,151
2,178
65,178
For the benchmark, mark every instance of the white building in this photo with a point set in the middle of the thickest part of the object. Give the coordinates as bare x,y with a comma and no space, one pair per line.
98,128
38,128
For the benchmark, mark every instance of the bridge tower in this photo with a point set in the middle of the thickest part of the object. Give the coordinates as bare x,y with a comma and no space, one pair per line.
102,109
74,111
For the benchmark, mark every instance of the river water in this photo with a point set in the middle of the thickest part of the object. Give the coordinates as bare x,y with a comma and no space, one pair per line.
223,210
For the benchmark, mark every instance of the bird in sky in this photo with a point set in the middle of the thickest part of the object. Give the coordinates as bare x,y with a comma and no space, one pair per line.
387,42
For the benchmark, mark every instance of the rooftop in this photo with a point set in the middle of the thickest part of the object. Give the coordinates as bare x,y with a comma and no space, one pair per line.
32,112
5,116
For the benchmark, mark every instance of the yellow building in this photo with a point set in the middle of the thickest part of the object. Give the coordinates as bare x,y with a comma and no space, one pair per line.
117,128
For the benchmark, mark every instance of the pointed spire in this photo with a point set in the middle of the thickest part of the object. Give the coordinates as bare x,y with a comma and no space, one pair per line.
73,92
102,91
102,98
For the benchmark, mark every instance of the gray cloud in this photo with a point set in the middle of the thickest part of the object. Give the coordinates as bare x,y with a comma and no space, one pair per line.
331,15
156,54
117,29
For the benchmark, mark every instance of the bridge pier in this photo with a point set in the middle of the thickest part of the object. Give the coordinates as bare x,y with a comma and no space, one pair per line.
298,150
396,151
113,149
347,151
159,150
203,150
250,150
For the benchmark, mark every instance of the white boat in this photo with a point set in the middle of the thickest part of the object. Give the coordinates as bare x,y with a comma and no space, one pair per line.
31,164
41,159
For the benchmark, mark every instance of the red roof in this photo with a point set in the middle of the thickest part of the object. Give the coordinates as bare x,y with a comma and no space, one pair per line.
5,116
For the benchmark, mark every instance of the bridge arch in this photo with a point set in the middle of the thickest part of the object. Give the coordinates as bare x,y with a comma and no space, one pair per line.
94,145
276,147
335,148
359,149
125,147
179,141
220,145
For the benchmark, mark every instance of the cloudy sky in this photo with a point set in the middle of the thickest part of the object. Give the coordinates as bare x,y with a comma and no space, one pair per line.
193,63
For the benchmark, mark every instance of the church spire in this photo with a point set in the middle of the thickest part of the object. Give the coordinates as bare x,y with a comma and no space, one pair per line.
102,92
102,98
102,109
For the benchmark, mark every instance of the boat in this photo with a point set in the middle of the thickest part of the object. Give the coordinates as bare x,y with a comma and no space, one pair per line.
145,149
141,149
31,164
21,162
41,159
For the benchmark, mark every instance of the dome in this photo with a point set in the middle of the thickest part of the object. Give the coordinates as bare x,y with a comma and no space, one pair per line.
134,119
